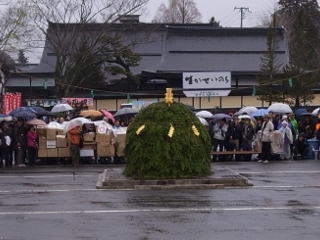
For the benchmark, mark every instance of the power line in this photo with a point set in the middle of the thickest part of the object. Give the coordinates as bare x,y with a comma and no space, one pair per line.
243,11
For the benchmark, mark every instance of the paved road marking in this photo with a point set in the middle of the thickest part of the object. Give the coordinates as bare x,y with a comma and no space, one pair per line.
48,176
281,172
94,189
161,210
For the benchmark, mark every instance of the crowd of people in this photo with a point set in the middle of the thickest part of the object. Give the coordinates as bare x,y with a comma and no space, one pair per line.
279,137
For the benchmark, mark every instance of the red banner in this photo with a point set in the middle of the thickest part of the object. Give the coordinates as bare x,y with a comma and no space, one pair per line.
11,101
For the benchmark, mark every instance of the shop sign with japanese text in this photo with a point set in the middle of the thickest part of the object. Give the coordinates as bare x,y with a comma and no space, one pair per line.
206,80
77,101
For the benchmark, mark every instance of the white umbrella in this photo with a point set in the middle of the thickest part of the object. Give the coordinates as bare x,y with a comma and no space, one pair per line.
55,125
280,108
203,121
247,110
316,111
204,114
76,122
61,108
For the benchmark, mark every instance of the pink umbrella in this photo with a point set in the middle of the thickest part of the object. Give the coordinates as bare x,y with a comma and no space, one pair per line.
108,115
36,122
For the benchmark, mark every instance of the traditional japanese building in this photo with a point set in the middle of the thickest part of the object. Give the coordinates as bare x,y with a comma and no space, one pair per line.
207,67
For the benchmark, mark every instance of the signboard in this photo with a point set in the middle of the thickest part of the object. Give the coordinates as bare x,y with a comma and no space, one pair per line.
11,101
138,105
77,101
206,80
43,102
216,93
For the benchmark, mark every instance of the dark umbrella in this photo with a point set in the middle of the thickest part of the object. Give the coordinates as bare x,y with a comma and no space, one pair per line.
22,109
38,109
300,111
25,115
307,114
125,112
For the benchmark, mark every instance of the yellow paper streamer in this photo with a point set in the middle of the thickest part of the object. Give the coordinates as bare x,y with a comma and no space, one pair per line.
195,130
140,129
171,131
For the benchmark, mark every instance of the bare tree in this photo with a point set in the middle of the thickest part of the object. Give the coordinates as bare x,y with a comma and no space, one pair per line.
65,24
178,11
15,27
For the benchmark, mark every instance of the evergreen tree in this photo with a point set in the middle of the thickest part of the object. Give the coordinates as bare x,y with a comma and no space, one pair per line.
22,58
87,67
304,46
269,68
214,23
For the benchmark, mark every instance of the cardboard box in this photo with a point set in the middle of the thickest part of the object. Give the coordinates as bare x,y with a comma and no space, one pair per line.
86,153
42,132
105,150
64,152
60,132
121,137
51,144
51,134
89,137
52,153
120,150
42,143
42,153
62,141
103,138
89,145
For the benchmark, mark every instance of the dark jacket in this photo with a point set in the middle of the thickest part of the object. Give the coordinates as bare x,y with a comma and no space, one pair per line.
234,131
211,126
5,132
247,132
20,136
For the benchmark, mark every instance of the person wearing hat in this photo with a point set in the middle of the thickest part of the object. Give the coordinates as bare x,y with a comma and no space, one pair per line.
266,131
300,147
286,140
284,118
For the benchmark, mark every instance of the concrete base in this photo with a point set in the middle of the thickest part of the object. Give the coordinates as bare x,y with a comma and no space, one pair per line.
222,177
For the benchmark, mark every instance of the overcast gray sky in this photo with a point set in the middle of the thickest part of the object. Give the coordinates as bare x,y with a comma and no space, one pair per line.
223,11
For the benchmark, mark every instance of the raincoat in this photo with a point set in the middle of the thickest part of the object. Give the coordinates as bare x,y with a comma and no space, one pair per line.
286,138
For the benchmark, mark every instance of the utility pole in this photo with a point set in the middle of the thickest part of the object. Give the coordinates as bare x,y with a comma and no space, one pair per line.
243,11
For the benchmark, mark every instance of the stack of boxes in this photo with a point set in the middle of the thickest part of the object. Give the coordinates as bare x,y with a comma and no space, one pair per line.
53,143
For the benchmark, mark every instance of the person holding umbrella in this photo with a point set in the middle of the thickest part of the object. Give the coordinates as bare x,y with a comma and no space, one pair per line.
20,141
74,136
247,136
235,135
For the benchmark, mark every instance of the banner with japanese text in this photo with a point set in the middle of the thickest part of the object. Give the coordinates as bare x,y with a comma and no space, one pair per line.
11,101
77,101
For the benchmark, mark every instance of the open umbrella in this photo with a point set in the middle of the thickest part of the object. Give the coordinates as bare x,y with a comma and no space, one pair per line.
280,108
125,112
316,111
220,116
25,115
14,112
203,121
61,108
299,111
6,118
307,114
91,113
36,122
102,123
247,110
259,113
108,115
38,110
76,122
55,125
204,114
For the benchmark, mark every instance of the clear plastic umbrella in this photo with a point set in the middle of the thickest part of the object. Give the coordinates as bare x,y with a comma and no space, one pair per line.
61,108
280,108
204,114
76,122
247,110
203,121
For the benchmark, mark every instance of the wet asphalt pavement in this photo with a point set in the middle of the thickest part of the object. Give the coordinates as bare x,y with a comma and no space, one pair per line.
62,203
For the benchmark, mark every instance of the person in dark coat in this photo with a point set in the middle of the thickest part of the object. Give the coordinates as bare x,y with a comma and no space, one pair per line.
307,127
5,137
235,134
300,147
247,136
20,139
